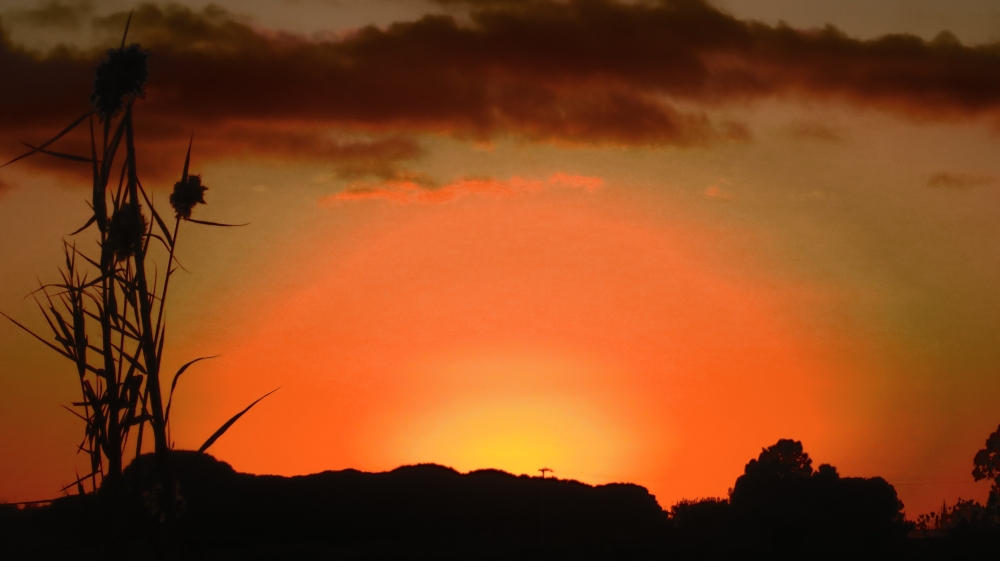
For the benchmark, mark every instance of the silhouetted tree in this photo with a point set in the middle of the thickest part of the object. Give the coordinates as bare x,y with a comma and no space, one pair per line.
780,500
966,518
967,524
987,466
705,519
782,459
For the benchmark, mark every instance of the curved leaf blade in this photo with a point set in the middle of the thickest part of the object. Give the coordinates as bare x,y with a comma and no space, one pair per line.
207,223
51,140
173,384
222,430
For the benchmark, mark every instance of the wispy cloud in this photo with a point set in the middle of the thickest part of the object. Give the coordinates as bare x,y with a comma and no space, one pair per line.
54,13
717,193
815,130
949,180
410,191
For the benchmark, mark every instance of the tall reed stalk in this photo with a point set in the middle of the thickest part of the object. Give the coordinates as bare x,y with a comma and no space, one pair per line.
107,315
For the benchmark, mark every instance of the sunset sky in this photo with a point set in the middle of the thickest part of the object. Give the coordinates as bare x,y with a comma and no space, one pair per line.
626,240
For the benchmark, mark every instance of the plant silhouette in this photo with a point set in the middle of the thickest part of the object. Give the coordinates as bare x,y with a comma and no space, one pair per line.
107,315
987,466
968,520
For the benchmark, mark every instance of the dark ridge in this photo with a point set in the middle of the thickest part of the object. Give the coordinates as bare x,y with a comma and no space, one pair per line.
780,508
424,508
425,502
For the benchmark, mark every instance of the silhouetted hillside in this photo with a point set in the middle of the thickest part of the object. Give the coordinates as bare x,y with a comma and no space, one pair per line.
780,508
426,502
426,509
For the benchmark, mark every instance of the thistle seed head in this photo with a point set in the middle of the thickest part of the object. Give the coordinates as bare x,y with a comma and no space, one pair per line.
125,232
122,74
186,195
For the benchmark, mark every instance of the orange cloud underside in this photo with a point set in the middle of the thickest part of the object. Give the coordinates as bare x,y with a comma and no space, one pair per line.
524,332
404,191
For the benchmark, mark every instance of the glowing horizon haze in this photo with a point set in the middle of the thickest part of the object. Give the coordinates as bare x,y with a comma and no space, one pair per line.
628,241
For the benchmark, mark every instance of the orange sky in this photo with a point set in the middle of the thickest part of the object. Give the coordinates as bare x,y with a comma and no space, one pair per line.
552,329
523,261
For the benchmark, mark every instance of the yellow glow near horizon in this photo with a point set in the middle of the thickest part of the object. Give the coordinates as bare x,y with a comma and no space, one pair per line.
518,435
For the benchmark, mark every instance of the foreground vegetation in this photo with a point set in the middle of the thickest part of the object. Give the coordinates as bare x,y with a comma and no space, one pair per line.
779,508
107,313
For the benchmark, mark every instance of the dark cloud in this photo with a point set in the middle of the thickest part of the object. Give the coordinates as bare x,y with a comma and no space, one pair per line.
576,71
947,180
487,3
54,14
814,130
164,144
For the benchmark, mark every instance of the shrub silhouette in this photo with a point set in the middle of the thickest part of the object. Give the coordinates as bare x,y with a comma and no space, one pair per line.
987,466
968,519
782,500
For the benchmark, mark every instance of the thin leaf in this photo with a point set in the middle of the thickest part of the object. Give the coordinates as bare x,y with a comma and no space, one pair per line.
60,155
124,35
222,430
207,223
51,140
138,440
109,154
85,226
88,259
131,333
133,362
160,338
36,336
79,481
46,343
85,420
48,320
156,215
173,384
187,160
99,205
64,327
157,238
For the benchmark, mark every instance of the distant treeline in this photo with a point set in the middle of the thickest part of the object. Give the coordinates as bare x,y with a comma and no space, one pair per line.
779,508
783,508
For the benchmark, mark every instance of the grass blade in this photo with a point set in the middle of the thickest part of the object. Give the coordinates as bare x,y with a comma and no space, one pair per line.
187,160
109,157
51,140
79,482
36,336
85,420
222,430
207,223
124,35
61,155
85,226
156,216
173,384
98,202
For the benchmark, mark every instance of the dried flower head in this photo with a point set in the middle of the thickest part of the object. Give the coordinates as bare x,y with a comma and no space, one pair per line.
122,74
186,194
125,232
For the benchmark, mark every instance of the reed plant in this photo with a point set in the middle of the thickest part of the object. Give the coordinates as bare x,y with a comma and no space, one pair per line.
107,315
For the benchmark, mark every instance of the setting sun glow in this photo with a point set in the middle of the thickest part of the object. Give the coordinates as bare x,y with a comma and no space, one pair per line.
629,241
